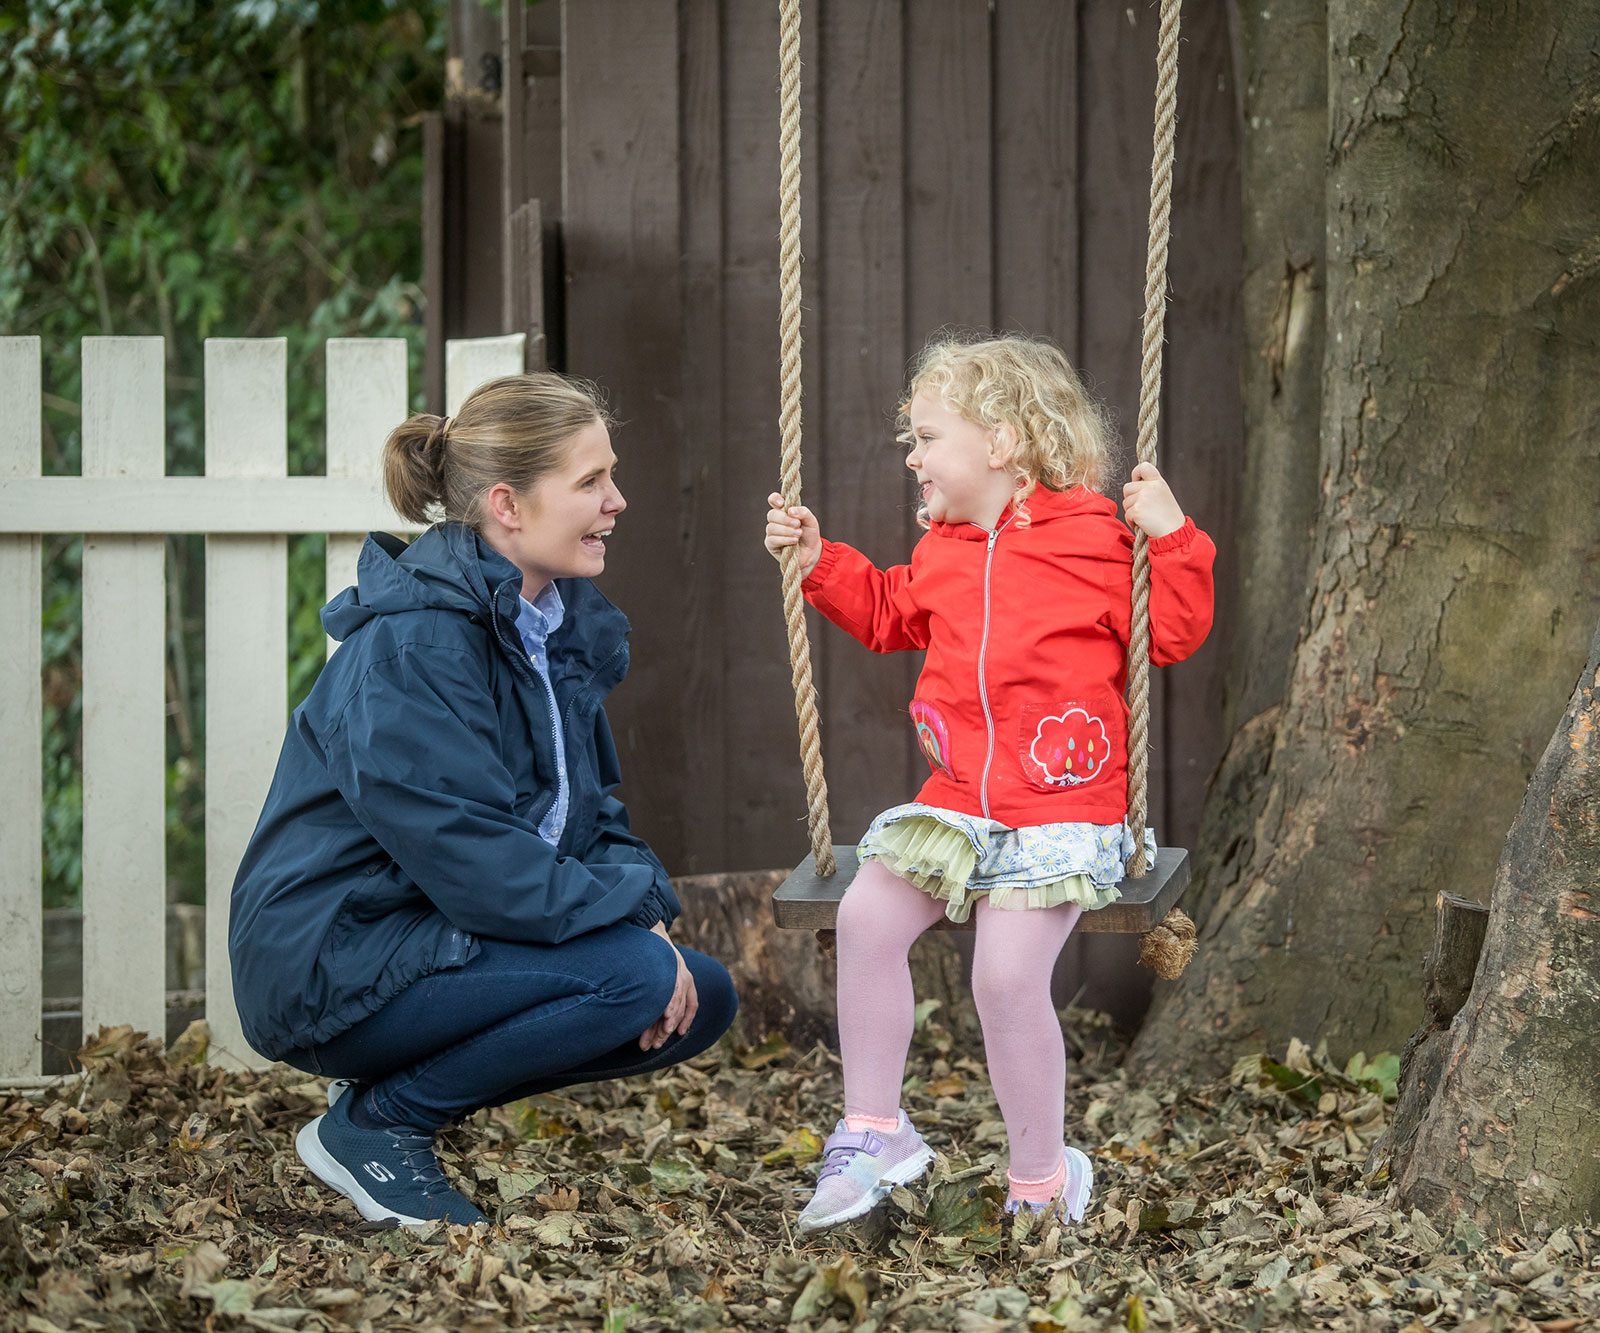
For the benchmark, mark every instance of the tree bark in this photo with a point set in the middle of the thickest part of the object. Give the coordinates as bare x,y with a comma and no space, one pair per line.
1512,1134
1284,87
1456,529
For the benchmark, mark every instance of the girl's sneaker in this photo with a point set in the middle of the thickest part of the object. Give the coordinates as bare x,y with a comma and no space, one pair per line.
859,1170
391,1175
1073,1201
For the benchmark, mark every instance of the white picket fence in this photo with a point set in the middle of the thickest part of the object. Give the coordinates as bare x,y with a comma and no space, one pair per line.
123,505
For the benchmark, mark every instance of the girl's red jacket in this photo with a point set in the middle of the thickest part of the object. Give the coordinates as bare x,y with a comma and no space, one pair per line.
1019,707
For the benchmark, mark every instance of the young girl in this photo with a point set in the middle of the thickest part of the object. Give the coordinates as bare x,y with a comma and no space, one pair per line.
442,904
1020,594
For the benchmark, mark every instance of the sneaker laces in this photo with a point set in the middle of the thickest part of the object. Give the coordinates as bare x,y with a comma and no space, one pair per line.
840,1148
411,1144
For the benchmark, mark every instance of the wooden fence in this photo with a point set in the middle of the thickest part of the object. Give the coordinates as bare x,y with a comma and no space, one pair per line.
123,505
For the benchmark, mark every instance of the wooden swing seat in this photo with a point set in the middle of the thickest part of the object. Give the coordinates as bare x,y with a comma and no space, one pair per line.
806,901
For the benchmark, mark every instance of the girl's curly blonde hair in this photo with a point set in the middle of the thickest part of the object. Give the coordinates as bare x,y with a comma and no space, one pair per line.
1064,437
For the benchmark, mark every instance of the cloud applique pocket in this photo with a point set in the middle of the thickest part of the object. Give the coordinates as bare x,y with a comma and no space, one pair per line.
1063,745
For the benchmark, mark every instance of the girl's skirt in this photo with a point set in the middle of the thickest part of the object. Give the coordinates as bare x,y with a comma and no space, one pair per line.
959,858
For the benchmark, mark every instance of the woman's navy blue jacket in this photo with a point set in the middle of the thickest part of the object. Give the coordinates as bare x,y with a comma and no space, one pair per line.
403,818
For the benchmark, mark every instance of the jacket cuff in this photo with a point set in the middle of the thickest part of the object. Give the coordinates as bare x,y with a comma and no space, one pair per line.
831,553
1180,540
659,906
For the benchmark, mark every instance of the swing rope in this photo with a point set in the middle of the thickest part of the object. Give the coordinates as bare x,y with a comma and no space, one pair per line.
1155,317
1169,946
805,694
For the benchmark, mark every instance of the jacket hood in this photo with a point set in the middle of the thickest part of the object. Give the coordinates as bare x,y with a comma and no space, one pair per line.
448,568
1044,506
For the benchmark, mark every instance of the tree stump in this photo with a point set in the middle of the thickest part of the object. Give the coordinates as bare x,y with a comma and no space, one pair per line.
1447,974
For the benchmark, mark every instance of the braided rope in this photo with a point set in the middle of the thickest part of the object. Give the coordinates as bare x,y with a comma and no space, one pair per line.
1155,311
805,694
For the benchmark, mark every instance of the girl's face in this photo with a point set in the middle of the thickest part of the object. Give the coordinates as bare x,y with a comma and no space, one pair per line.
558,528
958,464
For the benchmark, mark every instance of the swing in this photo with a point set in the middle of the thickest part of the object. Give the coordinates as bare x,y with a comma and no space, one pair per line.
809,898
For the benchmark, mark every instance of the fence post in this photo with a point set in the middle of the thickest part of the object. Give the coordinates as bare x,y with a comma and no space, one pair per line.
247,616
124,701
21,811
366,400
469,362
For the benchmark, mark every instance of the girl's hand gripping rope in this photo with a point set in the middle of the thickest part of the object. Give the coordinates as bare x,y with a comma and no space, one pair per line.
793,526
1148,503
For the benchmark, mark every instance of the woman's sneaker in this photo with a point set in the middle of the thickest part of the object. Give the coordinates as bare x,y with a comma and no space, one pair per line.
859,1170
337,1087
391,1175
1073,1201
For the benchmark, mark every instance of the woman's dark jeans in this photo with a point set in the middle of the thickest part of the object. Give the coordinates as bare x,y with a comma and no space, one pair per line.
521,1019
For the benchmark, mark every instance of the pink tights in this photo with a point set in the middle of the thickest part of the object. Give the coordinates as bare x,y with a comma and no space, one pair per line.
879,919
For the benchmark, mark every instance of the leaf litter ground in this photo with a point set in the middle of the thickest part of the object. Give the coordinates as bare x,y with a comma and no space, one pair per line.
162,1193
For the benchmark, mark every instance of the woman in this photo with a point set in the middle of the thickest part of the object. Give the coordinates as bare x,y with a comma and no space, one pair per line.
442,903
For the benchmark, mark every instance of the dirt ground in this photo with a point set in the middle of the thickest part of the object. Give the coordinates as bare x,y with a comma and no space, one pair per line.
160,1193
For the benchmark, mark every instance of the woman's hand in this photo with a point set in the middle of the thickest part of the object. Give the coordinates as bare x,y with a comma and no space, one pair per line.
792,526
1148,503
681,1008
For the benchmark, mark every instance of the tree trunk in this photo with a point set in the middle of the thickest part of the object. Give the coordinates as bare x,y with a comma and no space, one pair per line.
1456,531
1285,91
1512,1134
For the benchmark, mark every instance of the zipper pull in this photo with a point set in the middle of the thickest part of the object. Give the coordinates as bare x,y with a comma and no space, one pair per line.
993,538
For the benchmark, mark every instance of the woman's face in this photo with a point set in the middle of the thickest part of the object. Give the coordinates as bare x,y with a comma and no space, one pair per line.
558,528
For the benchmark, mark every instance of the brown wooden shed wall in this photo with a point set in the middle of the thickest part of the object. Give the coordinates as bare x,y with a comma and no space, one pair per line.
966,162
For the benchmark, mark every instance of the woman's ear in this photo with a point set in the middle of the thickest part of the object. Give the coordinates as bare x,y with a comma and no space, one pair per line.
501,505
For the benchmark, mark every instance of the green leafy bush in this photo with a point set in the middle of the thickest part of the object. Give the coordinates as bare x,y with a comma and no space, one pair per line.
192,170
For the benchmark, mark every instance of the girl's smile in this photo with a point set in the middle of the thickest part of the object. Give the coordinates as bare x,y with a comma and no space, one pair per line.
963,471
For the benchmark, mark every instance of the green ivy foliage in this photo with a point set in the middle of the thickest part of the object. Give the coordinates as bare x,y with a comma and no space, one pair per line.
194,170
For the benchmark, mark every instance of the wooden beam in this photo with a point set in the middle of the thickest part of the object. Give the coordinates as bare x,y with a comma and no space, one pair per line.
139,505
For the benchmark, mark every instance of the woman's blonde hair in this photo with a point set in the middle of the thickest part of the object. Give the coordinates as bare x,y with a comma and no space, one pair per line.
1064,437
514,429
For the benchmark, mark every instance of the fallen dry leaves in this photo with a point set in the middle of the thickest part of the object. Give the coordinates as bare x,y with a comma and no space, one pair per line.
161,1193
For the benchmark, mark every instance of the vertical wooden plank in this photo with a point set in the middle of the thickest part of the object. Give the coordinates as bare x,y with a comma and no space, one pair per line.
1204,418
766,823
124,701
1116,108
711,542
623,250
367,396
246,413
435,271
865,489
469,362
21,961
1036,169
1116,99
541,165
950,166
525,246
513,193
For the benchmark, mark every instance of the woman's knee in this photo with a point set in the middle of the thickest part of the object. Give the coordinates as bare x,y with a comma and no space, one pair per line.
656,974
714,990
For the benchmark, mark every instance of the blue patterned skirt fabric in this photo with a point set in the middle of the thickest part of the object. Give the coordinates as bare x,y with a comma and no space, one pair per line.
958,858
